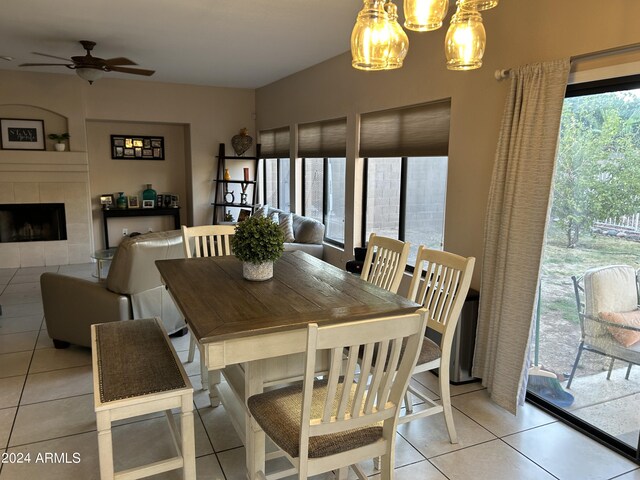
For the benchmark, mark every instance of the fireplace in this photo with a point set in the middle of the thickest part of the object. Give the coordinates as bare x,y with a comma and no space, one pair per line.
32,222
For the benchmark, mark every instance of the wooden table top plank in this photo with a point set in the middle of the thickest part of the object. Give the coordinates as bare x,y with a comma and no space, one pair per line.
218,303
350,285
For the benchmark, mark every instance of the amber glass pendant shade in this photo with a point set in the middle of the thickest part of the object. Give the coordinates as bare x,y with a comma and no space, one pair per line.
398,40
370,37
477,4
465,41
424,15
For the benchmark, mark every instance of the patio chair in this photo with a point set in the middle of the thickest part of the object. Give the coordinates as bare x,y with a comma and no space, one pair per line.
349,416
607,301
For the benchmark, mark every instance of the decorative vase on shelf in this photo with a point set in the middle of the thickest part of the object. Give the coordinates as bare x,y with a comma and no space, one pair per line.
227,175
150,194
60,147
241,142
121,201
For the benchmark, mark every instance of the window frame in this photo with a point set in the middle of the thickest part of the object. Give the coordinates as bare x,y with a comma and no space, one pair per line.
404,166
325,200
264,179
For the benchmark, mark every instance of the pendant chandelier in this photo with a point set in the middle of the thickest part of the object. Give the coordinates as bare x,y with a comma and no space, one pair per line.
379,43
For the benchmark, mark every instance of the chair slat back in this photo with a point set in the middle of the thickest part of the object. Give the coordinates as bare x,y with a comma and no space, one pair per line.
444,287
385,262
373,394
207,240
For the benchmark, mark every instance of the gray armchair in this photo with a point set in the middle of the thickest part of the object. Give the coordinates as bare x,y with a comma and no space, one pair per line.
133,289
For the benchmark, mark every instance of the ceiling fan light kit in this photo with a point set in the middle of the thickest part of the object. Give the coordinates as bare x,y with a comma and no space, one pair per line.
92,68
89,74
377,44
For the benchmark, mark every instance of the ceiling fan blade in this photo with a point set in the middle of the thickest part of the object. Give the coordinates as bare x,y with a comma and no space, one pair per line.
44,64
51,56
119,61
134,71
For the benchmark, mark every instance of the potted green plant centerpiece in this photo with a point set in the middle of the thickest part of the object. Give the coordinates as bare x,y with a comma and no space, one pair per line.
59,138
258,242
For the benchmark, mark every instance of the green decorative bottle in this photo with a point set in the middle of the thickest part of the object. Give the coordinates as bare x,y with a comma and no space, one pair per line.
121,201
150,194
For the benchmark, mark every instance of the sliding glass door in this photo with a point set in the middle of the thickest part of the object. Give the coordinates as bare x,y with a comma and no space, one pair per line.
584,368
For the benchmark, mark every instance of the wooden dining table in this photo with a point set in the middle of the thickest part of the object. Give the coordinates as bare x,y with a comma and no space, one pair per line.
255,332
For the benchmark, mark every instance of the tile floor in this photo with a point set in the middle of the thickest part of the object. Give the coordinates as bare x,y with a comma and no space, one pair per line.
46,406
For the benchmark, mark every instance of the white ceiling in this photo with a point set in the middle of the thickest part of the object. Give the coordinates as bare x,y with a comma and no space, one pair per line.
229,43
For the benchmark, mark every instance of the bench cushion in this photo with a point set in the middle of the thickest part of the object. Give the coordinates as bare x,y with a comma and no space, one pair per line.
144,362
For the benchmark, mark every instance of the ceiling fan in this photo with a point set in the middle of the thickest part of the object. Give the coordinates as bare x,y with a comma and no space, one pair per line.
92,68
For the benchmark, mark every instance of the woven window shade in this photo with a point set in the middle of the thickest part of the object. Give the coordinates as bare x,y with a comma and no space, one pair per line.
421,130
323,139
274,143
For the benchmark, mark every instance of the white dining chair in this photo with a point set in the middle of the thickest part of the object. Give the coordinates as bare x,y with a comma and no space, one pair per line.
205,241
385,262
440,283
349,416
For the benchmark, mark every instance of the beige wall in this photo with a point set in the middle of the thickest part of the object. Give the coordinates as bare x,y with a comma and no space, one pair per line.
518,32
205,116
131,176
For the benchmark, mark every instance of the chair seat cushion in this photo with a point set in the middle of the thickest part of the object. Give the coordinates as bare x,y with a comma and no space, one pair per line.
278,413
632,319
430,351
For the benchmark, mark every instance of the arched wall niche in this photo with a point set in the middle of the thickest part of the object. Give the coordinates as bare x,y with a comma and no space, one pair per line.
53,121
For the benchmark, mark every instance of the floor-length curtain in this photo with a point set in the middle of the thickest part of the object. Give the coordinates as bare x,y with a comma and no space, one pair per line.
515,227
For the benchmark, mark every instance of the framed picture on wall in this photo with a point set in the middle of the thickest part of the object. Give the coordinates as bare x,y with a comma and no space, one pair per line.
148,203
244,214
106,200
137,147
21,134
133,202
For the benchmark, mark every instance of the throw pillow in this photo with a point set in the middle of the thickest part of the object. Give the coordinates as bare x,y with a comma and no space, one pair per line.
309,231
286,225
261,211
632,319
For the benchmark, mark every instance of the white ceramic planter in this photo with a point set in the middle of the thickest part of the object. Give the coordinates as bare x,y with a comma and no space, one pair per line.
257,272
60,147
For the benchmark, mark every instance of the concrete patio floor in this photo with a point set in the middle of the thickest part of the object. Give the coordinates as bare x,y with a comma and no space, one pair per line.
610,405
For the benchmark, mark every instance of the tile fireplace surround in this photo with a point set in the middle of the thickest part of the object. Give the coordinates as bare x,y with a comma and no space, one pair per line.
75,196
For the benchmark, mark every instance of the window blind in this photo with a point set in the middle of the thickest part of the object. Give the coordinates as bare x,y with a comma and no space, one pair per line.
416,131
327,138
274,143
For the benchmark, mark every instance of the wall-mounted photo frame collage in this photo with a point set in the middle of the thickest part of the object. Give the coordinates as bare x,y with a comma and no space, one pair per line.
132,147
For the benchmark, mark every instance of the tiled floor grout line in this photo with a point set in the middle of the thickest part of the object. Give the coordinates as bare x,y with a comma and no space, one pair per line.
26,376
210,442
6,447
525,456
625,473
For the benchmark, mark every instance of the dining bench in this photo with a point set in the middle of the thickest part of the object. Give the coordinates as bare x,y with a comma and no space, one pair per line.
135,372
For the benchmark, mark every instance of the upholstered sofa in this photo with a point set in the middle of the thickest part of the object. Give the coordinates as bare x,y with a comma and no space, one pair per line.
133,289
308,234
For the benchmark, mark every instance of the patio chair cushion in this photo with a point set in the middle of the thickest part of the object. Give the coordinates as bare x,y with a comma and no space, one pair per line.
608,289
632,319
